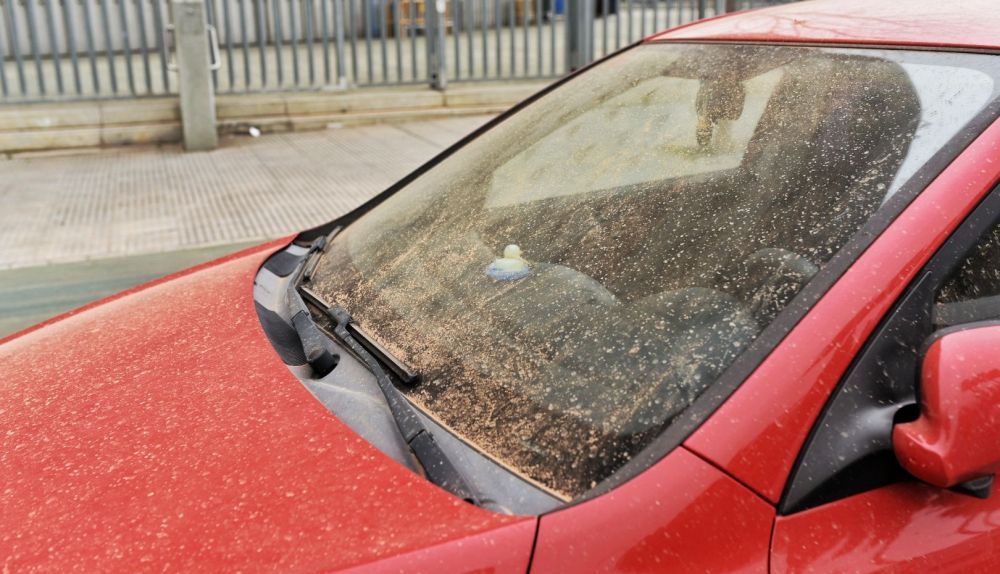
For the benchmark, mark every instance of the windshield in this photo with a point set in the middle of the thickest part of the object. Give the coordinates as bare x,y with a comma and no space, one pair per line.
573,279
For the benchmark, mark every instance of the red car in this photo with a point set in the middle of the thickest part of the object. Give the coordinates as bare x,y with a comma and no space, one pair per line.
728,300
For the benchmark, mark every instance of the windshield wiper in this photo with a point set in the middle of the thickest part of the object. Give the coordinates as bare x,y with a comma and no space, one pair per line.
437,466
321,357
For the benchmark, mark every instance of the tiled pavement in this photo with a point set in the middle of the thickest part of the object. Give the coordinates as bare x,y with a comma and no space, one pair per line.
124,202
77,228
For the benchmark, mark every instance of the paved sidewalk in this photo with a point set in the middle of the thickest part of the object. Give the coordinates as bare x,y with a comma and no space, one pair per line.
123,202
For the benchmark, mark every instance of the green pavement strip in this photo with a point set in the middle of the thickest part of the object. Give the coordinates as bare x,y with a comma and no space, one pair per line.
31,295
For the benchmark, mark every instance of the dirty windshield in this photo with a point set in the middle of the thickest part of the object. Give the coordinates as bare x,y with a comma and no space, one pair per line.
572,280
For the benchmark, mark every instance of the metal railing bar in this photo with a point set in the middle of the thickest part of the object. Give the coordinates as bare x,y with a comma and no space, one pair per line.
496,26
631,24
67,21
552,40
324,34
144,44
604,26
538,36
244,42
413,40
618,25
88,28
512,20
352,26
367,23
307,12
457,36
382,25
643,10
4,88
50,25
293,23
108,47
15,43
525,12
278,40
126,46
261,43
33,44
338,23
161,43
210,21
469,24
398,34
214,38
227,19
484,34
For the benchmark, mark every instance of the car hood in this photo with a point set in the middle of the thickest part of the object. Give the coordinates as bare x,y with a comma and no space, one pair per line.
159,428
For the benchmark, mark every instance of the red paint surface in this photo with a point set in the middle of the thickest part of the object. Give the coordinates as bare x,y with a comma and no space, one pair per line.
956,438
161,431
759,430
969,24
681,515
904,528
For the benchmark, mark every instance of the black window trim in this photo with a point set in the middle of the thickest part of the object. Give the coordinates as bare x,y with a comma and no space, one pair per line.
882,380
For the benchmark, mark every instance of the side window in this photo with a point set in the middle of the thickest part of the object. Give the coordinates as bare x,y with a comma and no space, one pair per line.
972,292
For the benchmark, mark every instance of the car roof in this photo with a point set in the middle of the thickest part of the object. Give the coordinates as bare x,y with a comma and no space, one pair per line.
950,24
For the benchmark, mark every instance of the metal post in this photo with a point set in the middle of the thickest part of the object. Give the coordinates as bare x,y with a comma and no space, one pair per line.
436,60
579,33
194,64
338,23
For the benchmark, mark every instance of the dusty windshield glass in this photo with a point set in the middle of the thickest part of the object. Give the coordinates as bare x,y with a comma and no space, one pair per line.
573,279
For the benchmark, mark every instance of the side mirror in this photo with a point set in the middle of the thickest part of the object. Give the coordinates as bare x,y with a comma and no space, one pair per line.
956,439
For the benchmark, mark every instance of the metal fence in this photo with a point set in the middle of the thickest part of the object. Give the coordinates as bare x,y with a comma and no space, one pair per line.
85,49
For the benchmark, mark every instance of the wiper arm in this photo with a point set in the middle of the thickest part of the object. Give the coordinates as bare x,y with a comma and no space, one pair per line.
438,467
317,348
403,372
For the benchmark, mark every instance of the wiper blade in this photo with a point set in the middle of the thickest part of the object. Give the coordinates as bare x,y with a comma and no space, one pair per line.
438,467
403,372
